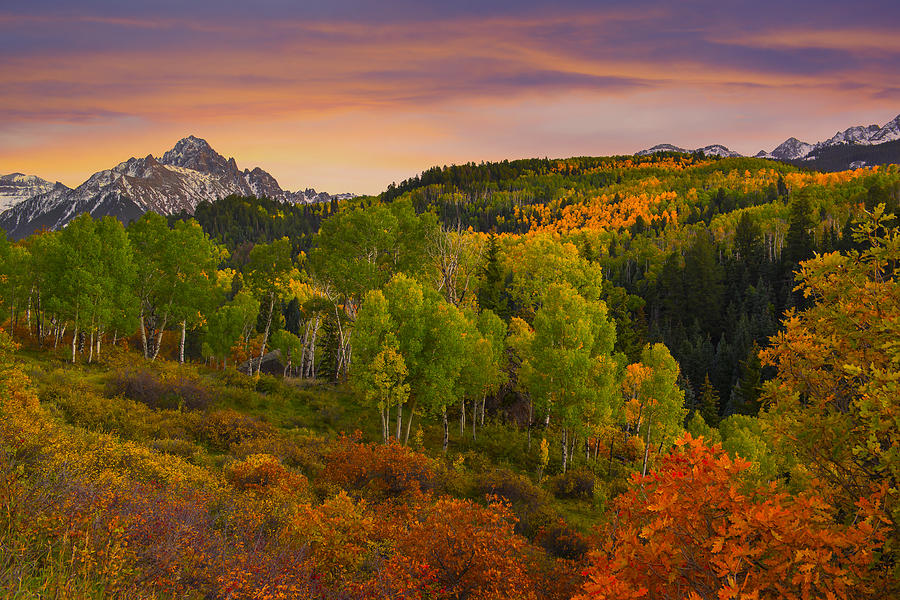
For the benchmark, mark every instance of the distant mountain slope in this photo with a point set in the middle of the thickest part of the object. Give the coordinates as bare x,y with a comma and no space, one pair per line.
711,150
15,188
789,149
850,156
858,136
850,142
185,175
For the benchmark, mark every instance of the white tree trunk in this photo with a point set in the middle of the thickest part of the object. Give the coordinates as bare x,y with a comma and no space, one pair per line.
144,336
262,350
446,431
312,351
181,347
462,417
646,449
74,340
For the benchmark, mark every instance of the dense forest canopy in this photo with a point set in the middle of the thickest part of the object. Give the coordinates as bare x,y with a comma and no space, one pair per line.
671,376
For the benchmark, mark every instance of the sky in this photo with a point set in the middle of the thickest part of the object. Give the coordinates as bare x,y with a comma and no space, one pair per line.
348,96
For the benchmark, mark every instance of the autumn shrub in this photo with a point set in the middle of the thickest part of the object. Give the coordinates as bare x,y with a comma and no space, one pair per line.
176,447
55,542
562,541
513,487
340,534
222,429
192,394
88,515
380,470
148,388
696,529
577,483
472,551
299,451
75,534
263,473
559,578
529,502
83,407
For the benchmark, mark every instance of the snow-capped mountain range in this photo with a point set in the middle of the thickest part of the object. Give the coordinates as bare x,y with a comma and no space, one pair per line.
16,187
185,175
794,149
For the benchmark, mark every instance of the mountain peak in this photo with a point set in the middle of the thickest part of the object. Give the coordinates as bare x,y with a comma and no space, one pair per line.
661,148
718,150
791,149
193,142
196,153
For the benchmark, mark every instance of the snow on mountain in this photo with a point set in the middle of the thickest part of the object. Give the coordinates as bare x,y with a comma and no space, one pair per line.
718,150
36,213
858,135
712,150
790,149
16,188
661,148
852,135
889,133
311,196
794,149
196,154
185,175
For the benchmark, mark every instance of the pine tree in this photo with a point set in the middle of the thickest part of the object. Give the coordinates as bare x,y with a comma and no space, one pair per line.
709,402
748,387
491,294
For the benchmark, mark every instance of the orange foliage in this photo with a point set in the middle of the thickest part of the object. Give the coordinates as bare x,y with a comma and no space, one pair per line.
340,534
604,213
692,530
467,550
264,474
379,471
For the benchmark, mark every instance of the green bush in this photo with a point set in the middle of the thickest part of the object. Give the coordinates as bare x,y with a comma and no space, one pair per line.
268,384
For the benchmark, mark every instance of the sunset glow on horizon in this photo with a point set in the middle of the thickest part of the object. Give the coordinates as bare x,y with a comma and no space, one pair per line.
353,96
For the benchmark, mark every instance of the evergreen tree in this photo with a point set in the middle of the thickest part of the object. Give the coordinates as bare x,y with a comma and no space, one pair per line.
799,242
746,392
492,291
703,282
709,402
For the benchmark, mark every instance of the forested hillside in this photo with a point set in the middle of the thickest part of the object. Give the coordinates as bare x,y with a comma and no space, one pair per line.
669,376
